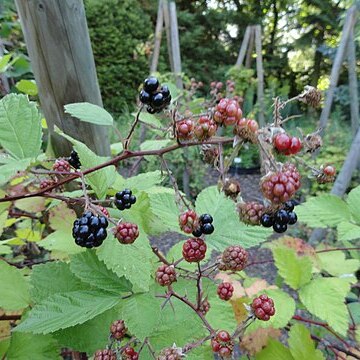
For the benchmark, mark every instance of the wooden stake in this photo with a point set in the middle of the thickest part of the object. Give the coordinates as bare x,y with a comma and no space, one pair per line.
250,49
58,43
243,47
167,29
260,76
158,35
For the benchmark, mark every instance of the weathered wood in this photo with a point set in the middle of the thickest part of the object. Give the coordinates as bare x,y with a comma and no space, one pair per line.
175,44
342,181
4,83
167,30
58,43
353,83
158,35
260,76
243,46
335,71
250,49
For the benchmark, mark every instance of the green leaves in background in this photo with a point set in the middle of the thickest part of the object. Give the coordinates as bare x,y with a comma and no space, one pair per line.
324,298
99,180
14,288
274,350
20,127
10,166
296,271
353,200
27,87
228,228
90,113
335,263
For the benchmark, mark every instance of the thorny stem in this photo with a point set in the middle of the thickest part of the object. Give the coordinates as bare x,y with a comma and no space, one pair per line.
195,344
242,327
199,287
267,155
132,129
221,163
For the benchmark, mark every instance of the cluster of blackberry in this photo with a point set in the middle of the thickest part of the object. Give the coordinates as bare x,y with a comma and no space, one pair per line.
155,99
281,218
90,230
124,199
206,227
74,160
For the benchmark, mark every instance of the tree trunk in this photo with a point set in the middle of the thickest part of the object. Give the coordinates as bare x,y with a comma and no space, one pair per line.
58,43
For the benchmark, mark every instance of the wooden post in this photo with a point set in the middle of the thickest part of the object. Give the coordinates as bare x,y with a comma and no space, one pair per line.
158,35
335,71
353,83
175,44
58,43
244,46
250,49
167,30
4,83
260,75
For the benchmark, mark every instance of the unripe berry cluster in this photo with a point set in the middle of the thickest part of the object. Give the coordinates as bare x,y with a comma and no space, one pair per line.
118,329
172,353
106,354
184,129
126,232
222,344
227,112
263,307
326,174
251,212
225,291
281,218
165,275
90,230
204,306
155,99
205,128
233,258
247,129
194,250
129,353
45,183
287,145
188,221
61,165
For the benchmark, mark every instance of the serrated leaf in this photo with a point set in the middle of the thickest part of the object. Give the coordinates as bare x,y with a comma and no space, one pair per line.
274,350
148,306
150,119
99,180
296,271
324,298
61,311
20,126
27,87
82,337
348,231
43,284
139,182
132,261
11,167
284,310
301,345
323,211
40,347
87,267
335,263
14,288
353,200
90,113
228,229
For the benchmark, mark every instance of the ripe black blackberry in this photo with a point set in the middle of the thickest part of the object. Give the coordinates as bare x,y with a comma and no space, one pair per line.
156,100
124,199
90,230
206,227
74,160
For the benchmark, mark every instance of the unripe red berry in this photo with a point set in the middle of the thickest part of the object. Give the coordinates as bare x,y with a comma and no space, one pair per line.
104,211
222,344
105,354
188,221
205,128
184,129
205,306
329,170
129,353
247,129
225,291
61,165
165,275
233,258
295,145
194,250
170,354
282,142
45,183
251,212
263,307
126,233
118,329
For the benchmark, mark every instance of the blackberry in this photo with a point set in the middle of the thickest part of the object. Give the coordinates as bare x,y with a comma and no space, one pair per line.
197,232
289,205
279,228
74,160
206,219
124,199
166,92
155,100
281,217
266,220
207,228
90,230
292,218
151,84
144,97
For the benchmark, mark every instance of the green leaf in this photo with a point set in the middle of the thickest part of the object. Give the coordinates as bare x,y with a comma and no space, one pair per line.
14,288
43,284
154,144
353,200
150,119
61,311
90,113
3,218
4,61
296,271
228,229
99,180
274,350
202,352
139,182
11,167
82,337
354,309
301,345
324,298
20,126
284,310
39,347
132,261
323,211
336,264
348,231
27,87
87,267
148,306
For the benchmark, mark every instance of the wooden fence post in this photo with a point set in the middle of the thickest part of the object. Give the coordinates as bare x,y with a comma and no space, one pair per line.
250,49
244,46
260,75
335,71
158,35
58,43
167,30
